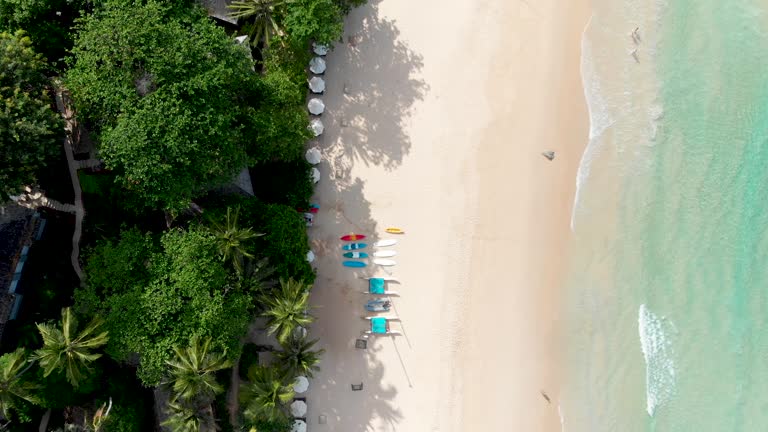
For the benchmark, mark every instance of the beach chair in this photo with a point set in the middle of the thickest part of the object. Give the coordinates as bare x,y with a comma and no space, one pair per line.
380,326
376,286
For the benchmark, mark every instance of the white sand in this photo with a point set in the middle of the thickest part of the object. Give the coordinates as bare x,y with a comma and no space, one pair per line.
436,118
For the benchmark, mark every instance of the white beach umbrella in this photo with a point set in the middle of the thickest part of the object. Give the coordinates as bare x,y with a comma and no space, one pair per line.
317,65
316,106
310,256
319,49
317,127
316,84
313,156
299,408
299,426
301,384
315,175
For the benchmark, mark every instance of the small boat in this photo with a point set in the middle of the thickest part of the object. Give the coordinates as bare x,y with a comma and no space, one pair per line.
355,255
352,237
378,305
385,243
384,253
353,264
395,231
354,246
384,262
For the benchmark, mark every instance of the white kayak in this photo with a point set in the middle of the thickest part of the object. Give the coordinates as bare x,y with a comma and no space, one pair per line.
385,243
384,262
385,254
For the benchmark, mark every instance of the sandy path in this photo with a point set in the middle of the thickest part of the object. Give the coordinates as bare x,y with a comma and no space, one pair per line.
436,118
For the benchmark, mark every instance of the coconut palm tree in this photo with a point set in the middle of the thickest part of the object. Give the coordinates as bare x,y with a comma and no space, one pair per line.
193,371
232,239
264,12
183,417
64,349
297,357
13,388
265,394
286,309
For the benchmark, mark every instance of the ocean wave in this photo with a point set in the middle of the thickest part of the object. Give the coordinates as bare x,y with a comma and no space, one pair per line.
659,358
599,116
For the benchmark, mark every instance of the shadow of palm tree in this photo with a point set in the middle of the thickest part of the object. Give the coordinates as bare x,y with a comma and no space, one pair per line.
372,83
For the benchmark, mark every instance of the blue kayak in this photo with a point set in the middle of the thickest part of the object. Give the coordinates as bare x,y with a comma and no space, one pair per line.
355,255
353,264
354,246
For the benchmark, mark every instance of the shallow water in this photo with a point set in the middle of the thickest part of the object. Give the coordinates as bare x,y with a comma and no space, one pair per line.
667,289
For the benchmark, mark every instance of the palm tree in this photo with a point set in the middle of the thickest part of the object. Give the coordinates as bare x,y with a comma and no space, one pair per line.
265,394
297,357
184,417
264,13
13,388
193,371
232,239
63,349
286,310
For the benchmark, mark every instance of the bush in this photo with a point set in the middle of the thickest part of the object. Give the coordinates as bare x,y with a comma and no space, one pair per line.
286,243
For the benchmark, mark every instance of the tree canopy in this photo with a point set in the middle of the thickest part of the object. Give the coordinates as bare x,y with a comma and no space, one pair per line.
183,291
169,92
31,130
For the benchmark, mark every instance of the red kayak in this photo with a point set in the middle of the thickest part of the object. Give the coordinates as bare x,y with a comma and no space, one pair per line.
352,237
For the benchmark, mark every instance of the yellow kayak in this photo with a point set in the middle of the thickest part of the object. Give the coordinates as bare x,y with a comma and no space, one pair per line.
395,231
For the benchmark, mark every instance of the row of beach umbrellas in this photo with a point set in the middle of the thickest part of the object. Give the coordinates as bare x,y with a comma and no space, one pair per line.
316,107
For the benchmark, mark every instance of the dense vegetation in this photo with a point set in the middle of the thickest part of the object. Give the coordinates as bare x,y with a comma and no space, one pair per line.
177,266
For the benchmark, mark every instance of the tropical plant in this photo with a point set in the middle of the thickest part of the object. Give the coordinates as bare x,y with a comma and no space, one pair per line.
232,240
193,370
265,394
297,356
169,94
321,21
287,309
189,418
13,387
265,24
63,348
184,290
286,243
31,130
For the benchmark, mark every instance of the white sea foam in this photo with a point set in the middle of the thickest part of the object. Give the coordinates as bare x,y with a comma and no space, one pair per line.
562,419
599,117
659,358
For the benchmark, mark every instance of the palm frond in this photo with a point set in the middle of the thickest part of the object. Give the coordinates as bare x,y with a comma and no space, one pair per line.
193,369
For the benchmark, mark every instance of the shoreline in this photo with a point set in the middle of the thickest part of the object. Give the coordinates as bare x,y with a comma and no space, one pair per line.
403,148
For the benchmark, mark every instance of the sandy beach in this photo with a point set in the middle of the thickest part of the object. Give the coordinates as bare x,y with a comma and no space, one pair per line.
436,119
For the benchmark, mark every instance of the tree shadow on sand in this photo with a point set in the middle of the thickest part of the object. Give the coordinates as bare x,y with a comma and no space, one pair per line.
373,81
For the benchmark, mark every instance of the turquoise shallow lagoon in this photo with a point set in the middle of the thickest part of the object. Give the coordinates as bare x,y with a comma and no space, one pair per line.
667,294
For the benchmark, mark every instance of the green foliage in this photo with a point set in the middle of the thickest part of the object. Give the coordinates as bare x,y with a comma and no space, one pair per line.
169,90
280,123
248,358
298,358
233,240
262,18
187,292
265,394
15,389
65,349
31,130
313,20
347,5
287,309
278,425
189,418
193,371
130,407
47,22
117,267
285,242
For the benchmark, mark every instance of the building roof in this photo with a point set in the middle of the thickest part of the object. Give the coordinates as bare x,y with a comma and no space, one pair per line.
218,9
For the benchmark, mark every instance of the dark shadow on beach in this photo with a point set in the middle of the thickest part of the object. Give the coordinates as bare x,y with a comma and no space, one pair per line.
372,83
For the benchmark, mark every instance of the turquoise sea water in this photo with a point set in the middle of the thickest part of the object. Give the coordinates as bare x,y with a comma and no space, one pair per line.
668,287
